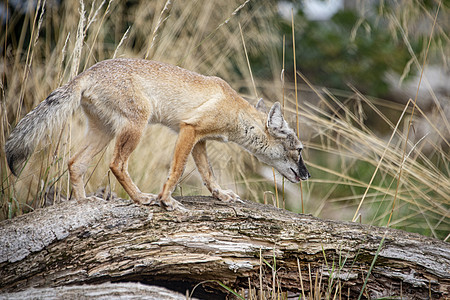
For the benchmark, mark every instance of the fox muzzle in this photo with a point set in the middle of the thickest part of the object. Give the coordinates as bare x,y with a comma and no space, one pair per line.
302,170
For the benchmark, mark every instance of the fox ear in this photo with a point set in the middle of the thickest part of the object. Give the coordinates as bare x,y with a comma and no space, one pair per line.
276,124
261,106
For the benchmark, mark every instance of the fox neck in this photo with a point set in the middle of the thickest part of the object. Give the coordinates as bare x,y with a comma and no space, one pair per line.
250,132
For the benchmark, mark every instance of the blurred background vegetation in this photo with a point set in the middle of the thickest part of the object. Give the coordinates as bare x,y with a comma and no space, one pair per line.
375,157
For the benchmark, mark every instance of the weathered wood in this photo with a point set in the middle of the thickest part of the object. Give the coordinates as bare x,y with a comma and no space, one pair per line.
95,241
123,290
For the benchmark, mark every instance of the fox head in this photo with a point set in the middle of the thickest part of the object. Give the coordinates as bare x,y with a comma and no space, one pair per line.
281,147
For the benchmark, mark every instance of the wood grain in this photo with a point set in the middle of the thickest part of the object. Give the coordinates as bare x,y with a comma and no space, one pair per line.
95,241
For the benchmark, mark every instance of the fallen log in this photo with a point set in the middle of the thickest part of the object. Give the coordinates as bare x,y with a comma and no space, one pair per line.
239,244
108,290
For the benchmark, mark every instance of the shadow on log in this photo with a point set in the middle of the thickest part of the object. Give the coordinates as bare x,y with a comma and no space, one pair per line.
93,241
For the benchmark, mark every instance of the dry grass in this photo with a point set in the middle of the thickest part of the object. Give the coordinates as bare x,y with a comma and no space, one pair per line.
355,164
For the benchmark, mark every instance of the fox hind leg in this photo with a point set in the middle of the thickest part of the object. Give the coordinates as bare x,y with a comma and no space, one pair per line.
94,143
126,143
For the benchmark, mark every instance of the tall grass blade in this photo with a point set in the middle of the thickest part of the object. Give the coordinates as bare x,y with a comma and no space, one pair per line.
412,113
163,16
371,267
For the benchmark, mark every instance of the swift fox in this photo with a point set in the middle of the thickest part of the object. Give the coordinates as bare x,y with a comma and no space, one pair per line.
121,96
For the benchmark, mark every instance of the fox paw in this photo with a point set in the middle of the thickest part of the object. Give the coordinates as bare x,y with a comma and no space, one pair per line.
171,204
226,195
147,199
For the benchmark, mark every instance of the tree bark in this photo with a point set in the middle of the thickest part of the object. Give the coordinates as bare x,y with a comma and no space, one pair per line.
123,290
240,244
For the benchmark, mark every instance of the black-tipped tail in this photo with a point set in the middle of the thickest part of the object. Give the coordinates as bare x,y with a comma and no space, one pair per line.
44,119
15,157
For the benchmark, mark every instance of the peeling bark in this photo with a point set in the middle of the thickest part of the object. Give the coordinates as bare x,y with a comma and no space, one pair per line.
96,241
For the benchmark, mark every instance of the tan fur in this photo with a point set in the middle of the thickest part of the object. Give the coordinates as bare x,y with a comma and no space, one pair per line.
121,96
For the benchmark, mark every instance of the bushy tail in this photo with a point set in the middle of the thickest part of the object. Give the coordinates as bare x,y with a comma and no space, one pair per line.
44,119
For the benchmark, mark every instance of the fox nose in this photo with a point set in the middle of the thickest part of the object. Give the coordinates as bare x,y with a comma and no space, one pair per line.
307,176
303,171
304,174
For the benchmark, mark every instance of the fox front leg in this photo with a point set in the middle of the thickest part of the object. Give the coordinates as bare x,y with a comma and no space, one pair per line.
185,142
201,160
